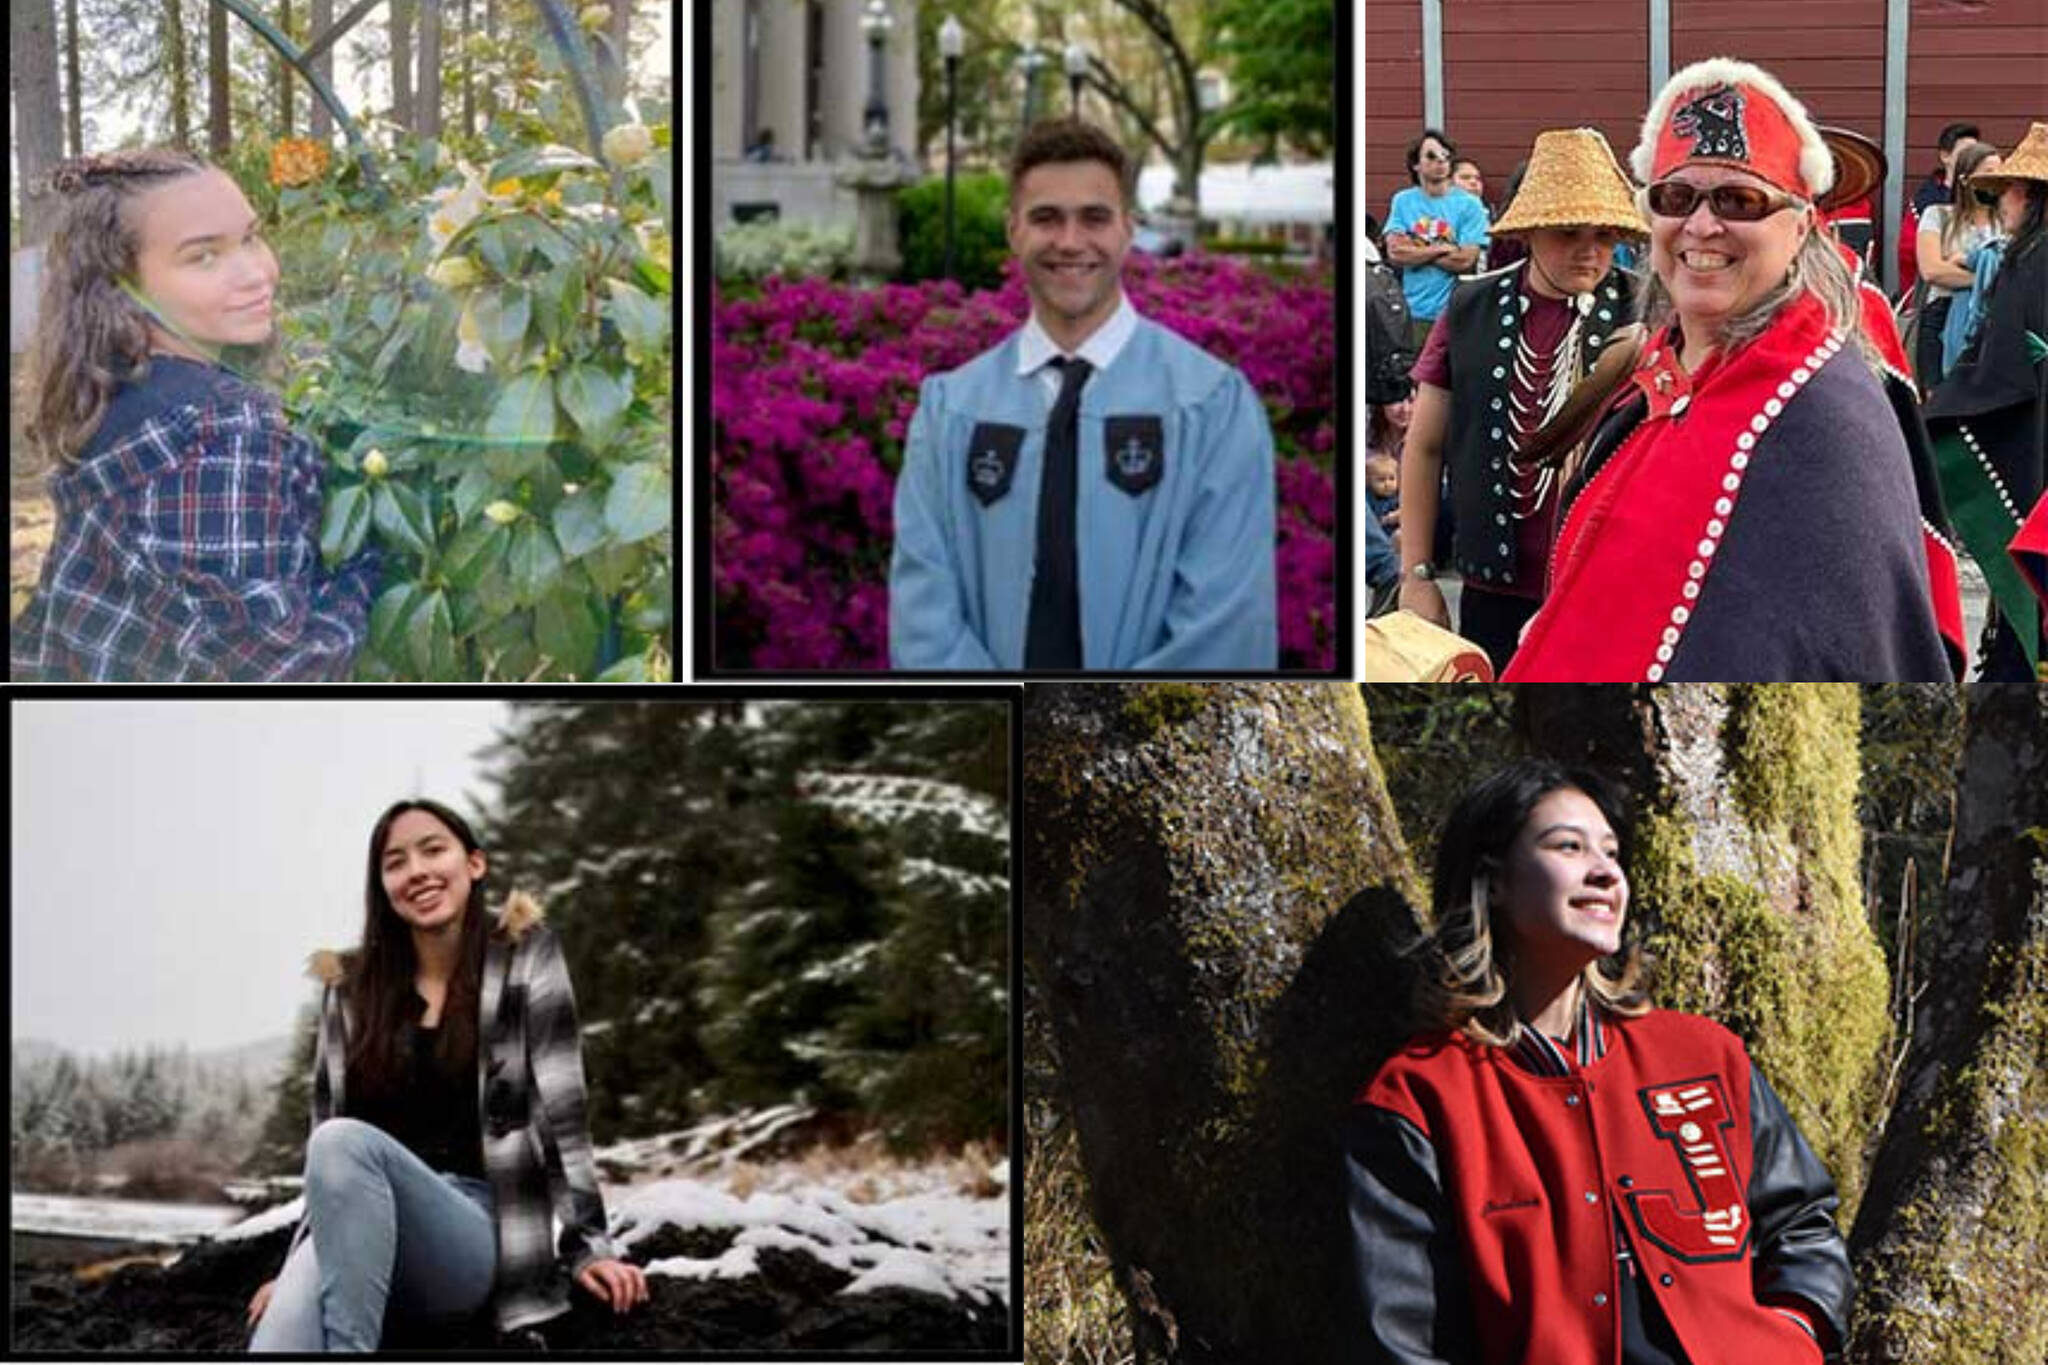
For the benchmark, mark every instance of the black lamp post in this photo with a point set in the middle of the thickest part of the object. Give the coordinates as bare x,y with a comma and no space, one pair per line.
951,43
1077,71
876,22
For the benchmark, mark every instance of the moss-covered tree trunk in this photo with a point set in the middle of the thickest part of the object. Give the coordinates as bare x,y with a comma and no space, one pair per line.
1215,992
1952,1244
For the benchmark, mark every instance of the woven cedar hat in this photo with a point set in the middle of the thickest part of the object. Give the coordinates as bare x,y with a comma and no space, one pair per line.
1573,181
2029,161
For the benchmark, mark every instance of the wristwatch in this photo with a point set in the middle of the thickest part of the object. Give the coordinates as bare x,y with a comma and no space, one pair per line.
1424,571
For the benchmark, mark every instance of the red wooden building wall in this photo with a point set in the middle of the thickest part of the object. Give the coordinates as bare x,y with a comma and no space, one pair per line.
1514,67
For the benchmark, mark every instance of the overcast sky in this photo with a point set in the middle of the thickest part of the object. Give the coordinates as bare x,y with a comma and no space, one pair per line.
175,861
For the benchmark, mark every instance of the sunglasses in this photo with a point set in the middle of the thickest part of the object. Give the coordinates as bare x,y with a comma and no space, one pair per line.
1988,198
1731,203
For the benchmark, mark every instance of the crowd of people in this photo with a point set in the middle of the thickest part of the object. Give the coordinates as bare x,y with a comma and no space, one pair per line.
1664,423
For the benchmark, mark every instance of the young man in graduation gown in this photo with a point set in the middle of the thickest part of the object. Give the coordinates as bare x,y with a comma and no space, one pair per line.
1094,493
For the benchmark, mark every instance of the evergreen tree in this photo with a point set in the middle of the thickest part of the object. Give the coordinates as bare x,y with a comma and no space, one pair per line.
790,957
628,822
281,1145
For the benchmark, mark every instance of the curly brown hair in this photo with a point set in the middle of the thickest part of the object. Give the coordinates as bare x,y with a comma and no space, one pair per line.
91,337
1069,139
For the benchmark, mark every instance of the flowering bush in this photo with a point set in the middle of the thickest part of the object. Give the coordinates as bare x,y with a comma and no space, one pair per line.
813,386
754,251
490,375
296,161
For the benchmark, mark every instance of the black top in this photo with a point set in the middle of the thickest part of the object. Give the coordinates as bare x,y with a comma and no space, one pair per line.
433,1112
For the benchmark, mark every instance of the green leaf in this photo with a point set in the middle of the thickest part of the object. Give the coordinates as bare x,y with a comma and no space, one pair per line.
473,490
658,172
475,550
579,523
533,562
639,504
616,568
502,316
568,624
539,161
506,648
430,636
524,414
343,524
408,327
556,297
596,400
383,310
640,320
389,616
401,517
631,669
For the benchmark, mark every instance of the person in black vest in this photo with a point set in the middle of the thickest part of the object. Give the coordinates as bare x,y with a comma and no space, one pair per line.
1512,343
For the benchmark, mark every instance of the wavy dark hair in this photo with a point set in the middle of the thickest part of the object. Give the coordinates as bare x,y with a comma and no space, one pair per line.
1466,984
379,987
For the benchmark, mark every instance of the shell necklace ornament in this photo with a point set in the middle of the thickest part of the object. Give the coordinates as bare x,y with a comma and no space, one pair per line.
1549,378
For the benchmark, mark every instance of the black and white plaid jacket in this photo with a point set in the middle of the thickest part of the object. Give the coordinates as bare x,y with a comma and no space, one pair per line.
531,1108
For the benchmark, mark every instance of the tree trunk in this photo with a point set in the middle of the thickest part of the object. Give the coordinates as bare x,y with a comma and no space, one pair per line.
283,68
468,72
428,107
220,133
74,98
402,22
1952,1245
320,124
38,112
1215,988
180,72
1744,878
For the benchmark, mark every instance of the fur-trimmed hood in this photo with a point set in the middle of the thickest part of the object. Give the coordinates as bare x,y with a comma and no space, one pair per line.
521,912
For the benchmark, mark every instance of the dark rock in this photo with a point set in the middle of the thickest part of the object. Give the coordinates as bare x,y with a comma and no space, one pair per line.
200,1305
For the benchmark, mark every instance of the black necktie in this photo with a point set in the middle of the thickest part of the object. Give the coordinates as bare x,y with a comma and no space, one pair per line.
1052,638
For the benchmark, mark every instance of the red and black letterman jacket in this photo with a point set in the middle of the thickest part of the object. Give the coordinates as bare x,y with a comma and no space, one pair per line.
1500,1214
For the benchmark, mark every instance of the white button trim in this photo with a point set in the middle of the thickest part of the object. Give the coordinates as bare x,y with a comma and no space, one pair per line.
1731,484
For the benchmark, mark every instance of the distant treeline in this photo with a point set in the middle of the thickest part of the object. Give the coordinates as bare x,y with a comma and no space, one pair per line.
158,1118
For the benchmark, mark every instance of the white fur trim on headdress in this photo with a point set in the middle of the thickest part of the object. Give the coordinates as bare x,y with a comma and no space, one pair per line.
1816,163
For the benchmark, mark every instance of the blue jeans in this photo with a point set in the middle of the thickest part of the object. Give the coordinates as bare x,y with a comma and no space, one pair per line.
386,1228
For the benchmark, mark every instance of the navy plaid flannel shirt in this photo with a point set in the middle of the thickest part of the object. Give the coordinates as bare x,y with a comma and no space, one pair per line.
187,546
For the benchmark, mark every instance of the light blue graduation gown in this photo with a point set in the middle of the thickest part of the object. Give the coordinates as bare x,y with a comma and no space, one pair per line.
1176,575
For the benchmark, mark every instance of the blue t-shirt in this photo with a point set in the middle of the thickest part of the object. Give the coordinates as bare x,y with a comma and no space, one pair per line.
1454,217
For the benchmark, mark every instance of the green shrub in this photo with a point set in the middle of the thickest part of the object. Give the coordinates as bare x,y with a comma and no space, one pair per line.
754,251
1246,246
980,243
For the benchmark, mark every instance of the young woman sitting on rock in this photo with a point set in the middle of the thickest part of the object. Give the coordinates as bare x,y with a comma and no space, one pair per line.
448,1114
1557,1171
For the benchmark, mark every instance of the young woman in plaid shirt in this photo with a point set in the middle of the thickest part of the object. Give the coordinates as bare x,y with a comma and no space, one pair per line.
188,511
448,1114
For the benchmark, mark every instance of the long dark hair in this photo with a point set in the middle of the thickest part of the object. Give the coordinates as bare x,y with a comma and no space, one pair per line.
1468,987
380,988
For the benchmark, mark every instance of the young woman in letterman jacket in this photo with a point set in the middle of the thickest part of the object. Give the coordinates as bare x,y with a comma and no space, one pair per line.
1557,1172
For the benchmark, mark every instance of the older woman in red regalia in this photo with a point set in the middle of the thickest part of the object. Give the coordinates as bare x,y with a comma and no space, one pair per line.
1747,511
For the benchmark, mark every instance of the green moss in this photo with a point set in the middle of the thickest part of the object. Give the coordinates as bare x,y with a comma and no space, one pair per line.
1152,707
1778,950
1954,1286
